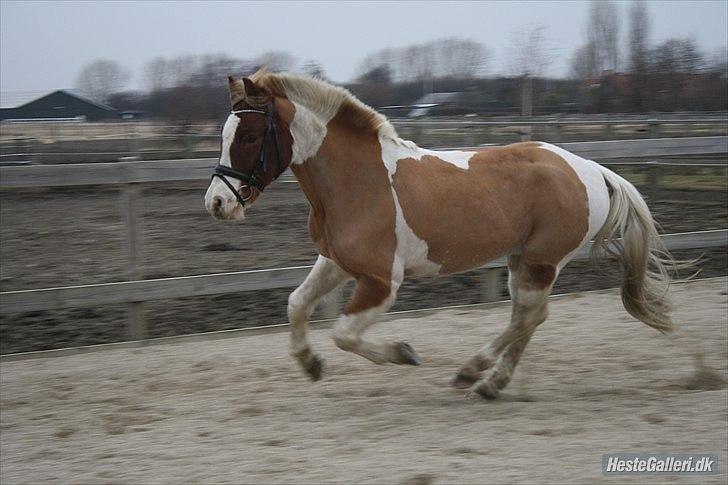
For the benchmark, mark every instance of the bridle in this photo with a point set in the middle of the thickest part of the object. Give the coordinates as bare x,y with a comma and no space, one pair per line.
252,180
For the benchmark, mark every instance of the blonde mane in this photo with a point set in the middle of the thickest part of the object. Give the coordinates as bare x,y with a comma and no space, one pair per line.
325,100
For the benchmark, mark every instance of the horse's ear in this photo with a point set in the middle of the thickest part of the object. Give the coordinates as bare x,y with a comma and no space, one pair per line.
255,94
237,91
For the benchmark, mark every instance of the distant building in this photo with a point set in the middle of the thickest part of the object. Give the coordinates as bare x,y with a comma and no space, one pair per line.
60,105
427,103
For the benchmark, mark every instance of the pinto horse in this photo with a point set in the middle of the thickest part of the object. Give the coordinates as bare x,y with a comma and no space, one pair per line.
383,208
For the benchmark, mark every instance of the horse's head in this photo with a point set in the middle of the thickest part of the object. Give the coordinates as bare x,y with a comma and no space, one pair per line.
255,150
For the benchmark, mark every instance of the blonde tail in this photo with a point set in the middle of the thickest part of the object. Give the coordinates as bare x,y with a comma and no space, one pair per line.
629,235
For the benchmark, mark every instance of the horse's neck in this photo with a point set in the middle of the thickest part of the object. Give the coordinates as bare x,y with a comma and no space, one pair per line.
345,158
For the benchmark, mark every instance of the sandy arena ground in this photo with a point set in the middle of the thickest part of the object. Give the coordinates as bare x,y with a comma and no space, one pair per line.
593,381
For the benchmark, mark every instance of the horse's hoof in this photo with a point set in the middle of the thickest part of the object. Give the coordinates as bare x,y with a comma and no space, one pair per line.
315,367
464,380
405,354
487,390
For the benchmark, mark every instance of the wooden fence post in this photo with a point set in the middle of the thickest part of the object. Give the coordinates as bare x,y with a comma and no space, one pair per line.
33,150
470,135
131,219
493,284
417,134
654,126
653,181
526,132
608,131
558,129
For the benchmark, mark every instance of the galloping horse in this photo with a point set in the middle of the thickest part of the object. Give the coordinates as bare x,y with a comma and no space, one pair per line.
383,208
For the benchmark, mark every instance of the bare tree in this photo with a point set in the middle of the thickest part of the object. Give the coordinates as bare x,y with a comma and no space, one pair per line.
314,69
382,61
529,59
639,54
583,63
718,61
529,53
676,56
376,75
277,61
458,58
156,74
207,70
639,25
603,34
181,69
212,68
101,78
449,57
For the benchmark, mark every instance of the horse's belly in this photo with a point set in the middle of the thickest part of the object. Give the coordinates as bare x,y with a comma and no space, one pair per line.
453,220
458,251
443,240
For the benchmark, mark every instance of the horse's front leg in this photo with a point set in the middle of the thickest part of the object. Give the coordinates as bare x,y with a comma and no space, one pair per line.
372,297
325,276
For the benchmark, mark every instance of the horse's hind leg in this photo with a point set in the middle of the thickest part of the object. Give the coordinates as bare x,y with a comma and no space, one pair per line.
372,297
497,377
530,285
325,276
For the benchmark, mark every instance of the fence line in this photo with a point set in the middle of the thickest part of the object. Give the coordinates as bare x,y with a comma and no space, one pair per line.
561,122
130,174
212,335
221,283
23,146
200,168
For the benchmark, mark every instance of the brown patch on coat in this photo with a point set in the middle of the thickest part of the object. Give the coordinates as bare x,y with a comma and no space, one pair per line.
370,292
538,276
316,231
517,196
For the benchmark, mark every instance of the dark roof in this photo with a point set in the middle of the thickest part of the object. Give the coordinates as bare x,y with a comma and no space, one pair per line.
60,104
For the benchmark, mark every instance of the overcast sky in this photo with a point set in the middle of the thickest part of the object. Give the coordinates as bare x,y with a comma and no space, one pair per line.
44,45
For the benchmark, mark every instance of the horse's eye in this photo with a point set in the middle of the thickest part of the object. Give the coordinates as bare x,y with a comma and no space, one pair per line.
248,138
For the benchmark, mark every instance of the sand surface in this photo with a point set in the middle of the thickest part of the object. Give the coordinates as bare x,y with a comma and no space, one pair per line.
592,381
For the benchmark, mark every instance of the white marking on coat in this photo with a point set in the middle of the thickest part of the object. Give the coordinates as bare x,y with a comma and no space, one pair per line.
412,252
217,187
308,130
394,150
590,174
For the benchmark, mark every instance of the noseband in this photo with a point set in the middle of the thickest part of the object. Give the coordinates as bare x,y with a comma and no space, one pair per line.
252,180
